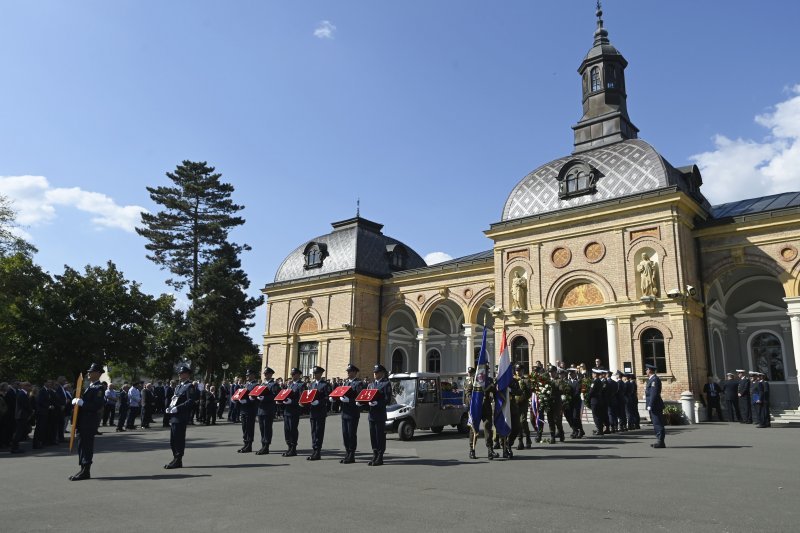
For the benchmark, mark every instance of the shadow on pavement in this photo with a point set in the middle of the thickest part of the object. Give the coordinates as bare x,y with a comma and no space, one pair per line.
250,465
710,446
156,476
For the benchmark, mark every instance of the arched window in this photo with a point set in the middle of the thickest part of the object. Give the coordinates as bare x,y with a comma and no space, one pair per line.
307,356
398,361
315,253
768,356
434,361
611,77
595,74
520,353
576,177
653,349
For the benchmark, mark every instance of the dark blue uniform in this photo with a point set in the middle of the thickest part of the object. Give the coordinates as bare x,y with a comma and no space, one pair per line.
183,399
632,404
597,405
248,407
266,414
656,407
377,417
745,406
317,413
730,389
351,414
88,419
291,416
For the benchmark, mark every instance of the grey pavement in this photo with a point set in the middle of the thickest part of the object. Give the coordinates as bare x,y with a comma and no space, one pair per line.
712,477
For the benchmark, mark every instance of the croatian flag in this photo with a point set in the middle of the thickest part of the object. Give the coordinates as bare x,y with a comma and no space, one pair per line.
476,399
535,412
502,409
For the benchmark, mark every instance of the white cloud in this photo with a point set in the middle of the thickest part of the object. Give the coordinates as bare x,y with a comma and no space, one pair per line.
744,168
437,257
324,30
36,203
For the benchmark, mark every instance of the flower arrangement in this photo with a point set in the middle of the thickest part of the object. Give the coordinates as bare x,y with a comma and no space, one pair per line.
544,387
566,392
586,384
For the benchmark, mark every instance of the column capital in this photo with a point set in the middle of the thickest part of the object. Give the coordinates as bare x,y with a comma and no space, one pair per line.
610,319
793,305
469,329
794,318
422,334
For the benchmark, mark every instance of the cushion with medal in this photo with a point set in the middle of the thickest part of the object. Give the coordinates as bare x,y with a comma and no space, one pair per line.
367,395
308,396
283,394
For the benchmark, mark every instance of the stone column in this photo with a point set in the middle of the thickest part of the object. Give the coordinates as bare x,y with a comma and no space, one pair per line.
422,340
611,334
793,305
469,332
553,343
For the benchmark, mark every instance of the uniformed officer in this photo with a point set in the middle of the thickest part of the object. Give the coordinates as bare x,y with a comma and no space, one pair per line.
351,414
555,413
318,412
377,413
180,411
248,407
468,383
266,410
632,402
597,401
745,406
622,392
655,405
90,406
487,418
572,412
523,400
291,412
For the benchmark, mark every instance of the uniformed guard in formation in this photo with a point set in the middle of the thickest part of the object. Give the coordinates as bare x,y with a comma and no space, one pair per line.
90,407
487,417
266,410
655,405
524,391
291,413
248,407
318,412
377,414
351,414
180,411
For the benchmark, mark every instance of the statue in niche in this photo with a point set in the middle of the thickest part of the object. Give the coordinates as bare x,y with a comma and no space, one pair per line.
647,268
519,292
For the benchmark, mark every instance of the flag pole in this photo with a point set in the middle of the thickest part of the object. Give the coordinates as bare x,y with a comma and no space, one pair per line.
78,389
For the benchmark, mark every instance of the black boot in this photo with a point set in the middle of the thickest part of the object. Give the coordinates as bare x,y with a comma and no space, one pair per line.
291,452
492,453
378,460
528,442
83,473
247,448
315,456
374,458
351,457
472,454
176,462
505,452
520,446
263,451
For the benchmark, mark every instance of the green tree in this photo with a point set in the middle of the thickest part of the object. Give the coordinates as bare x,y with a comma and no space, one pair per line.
221,314
166,339
10,242
197,216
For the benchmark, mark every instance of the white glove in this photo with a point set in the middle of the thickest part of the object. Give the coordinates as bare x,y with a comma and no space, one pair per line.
243,400
77,401
648,408
315,402
261,398
345,399
172,410
563,398
373,403
287,401
331,398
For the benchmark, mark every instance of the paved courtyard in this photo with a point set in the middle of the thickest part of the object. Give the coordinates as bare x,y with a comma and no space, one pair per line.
712,477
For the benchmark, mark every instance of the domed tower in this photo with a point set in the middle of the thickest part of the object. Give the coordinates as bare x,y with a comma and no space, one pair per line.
605,111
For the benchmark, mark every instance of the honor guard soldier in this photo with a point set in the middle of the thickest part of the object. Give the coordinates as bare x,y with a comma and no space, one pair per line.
266,410
248,407
469,382
180,411
632,402
90,407
318,412
351,414
523,400
655,405
597,401
377,414
745,406
573,411
487,418
291,412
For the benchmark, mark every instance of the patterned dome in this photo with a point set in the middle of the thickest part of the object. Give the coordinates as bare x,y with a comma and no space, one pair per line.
622,169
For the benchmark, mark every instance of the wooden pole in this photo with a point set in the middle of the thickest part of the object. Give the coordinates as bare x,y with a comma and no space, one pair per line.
78,389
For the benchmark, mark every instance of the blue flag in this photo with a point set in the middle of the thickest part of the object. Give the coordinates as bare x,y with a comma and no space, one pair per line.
502,408
476,399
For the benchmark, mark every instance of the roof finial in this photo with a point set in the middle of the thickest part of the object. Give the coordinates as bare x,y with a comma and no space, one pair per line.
600,34
358,207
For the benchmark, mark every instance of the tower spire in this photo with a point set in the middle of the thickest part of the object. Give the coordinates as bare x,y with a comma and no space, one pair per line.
600,34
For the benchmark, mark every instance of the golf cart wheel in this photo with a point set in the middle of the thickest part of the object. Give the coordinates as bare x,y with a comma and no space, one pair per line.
405,430
437,429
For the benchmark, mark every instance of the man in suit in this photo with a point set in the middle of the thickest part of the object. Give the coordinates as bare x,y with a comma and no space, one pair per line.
266,410
122,400
744,397
318,412
7,427
222,398
377,413
90,409
762,405
291,413
169,390
22,414
180,410
632,401
730,391
45,413
148,405
597,401
351,414
713,393
655,405
61,408
211,405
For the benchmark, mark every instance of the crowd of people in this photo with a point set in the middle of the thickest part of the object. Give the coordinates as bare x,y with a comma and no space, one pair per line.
746,398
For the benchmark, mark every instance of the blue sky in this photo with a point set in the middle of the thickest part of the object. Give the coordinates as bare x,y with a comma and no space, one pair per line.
430,112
